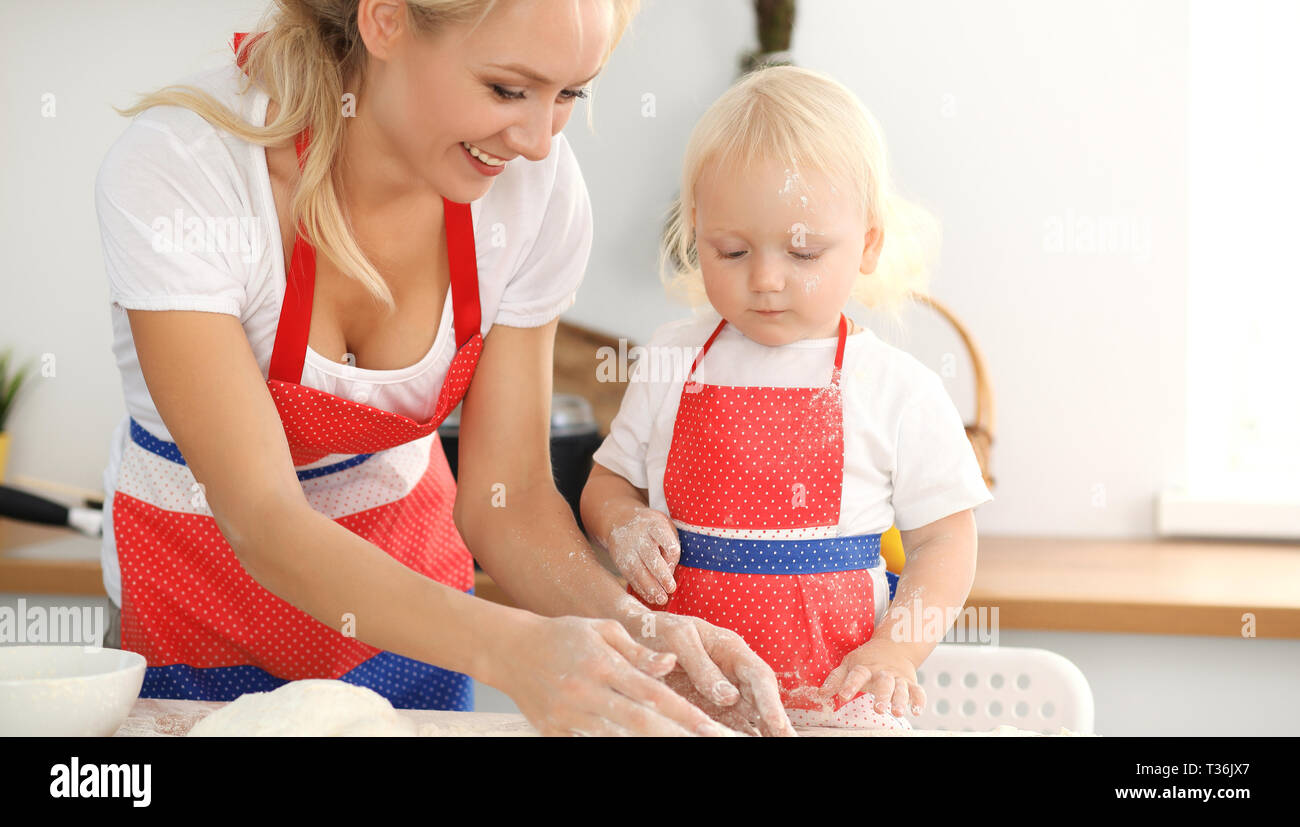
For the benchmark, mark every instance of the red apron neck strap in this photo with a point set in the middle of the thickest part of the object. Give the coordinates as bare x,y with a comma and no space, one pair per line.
289,353
705,350
461,257
839,349
290,349
235,41
241,58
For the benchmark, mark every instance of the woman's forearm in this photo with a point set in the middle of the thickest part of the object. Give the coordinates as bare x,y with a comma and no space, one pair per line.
351,585
532,547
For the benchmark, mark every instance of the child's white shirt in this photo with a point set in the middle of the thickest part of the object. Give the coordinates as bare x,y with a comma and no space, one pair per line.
907,460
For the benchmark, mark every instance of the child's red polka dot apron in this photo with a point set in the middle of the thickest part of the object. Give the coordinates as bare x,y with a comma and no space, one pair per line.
211,632
753,485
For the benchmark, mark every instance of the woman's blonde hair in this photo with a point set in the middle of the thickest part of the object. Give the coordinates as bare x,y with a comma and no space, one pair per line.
805,120
301,54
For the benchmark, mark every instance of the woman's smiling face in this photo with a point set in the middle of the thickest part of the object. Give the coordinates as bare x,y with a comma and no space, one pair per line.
505,87
779,249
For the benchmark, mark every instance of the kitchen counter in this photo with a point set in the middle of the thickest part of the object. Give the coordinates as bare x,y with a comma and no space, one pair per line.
1188,587
155,717
160,717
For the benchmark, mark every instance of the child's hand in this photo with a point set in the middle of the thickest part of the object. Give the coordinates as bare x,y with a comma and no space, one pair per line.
646,550
881,669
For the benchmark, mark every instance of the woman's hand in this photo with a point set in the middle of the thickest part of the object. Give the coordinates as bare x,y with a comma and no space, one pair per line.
882,669
645,549
579,676
713,662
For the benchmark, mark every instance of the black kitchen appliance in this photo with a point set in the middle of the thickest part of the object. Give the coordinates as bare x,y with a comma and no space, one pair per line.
575,436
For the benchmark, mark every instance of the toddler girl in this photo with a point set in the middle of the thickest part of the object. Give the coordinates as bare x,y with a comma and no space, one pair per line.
763,446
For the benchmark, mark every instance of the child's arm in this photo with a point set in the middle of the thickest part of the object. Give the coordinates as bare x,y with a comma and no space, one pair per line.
935,583
642,542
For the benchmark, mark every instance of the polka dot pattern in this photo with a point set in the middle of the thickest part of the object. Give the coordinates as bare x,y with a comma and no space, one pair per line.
758,458
319,424
760,471
406,683
802,625
207,629
779,557
413,684
857,713
186,598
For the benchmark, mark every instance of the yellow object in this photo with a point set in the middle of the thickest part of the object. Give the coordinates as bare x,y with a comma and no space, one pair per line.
891,548
4,453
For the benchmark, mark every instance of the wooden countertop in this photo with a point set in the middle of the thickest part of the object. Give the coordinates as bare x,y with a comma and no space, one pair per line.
1134,586
1187,587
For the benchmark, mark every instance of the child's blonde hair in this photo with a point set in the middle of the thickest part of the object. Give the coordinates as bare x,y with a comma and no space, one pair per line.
804,118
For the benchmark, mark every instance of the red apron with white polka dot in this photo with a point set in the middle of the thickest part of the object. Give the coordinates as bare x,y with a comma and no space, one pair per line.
753,484
207,629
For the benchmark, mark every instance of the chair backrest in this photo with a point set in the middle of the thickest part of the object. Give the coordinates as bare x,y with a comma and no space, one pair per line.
972,687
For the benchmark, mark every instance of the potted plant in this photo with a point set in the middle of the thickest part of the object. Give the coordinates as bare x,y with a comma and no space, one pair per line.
12,377
775,23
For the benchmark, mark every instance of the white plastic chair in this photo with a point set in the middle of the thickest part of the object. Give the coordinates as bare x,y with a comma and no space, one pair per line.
972,687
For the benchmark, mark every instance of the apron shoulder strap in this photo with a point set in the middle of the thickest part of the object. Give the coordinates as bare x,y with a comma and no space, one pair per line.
463,260
289,352
705,350
839,349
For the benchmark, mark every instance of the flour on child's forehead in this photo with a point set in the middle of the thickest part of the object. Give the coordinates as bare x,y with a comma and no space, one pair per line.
796,187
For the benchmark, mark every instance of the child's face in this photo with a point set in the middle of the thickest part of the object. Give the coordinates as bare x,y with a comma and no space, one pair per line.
783,240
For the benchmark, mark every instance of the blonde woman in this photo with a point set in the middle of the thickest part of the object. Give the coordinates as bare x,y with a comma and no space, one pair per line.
313,255
752,488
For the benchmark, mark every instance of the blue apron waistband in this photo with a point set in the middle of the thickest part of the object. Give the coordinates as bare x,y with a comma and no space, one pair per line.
851,553
169,451
406,683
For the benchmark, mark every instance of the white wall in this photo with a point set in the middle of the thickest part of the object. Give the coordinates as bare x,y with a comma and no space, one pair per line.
91,55
1001,116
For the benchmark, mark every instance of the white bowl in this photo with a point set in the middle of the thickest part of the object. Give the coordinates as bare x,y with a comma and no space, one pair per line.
67,690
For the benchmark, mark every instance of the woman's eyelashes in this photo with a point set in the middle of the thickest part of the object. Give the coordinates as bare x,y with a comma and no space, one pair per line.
510,94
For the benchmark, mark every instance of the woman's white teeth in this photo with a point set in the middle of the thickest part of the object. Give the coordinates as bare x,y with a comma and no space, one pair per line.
490,160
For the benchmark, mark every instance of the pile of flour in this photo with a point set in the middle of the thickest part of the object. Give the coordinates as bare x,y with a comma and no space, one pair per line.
308,708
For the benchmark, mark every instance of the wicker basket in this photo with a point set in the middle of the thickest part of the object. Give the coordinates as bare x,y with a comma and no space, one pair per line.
980,432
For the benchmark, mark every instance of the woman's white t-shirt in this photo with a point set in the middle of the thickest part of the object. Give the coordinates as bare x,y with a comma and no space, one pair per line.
188,222
907,460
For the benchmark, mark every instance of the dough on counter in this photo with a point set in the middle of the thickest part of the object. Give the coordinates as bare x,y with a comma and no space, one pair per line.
307,708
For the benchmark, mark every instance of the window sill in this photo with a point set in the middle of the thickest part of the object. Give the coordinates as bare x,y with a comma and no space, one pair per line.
1179,514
